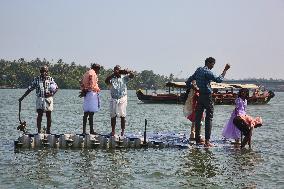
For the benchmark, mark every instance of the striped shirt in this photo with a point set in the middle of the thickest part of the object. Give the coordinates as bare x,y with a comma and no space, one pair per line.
42,85
203,77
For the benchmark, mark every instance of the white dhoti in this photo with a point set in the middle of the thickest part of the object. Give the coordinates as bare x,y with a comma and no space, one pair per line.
45,104
118,107
91,102
187,108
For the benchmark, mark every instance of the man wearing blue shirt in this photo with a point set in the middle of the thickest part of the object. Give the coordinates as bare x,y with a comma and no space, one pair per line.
203,77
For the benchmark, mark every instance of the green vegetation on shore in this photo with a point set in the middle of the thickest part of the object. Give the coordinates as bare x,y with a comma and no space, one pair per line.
20,73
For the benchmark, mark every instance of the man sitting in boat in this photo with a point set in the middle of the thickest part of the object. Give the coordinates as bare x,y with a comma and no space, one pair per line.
256,93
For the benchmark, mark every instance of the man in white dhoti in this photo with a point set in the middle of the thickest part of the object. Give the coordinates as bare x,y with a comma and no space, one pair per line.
90,90
118,89
45,89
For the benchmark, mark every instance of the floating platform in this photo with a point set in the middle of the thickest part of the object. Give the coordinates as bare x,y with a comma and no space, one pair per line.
89,141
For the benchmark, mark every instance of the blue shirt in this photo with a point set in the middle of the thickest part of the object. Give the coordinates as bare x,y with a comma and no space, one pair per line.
118,86
203,77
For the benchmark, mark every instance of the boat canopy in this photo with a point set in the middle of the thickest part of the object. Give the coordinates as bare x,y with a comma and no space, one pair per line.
215,85
176,84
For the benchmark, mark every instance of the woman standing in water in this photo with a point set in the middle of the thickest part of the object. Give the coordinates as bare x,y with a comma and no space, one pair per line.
240,121
230,131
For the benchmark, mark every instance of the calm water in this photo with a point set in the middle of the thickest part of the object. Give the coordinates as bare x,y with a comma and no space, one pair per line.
260,167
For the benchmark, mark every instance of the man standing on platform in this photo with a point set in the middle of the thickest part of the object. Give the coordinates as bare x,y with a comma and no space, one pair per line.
203,77
90,91
118,89
45,89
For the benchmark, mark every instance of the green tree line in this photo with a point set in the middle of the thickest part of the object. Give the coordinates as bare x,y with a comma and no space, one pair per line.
20,73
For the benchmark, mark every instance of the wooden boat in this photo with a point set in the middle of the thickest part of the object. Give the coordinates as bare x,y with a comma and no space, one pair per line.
165,98
223,94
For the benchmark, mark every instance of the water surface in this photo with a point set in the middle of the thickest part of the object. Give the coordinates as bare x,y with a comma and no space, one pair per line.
226,167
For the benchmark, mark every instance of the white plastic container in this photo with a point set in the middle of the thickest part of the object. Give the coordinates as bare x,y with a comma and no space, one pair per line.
112,141
38,140
25,141
78,141
91,141
65,141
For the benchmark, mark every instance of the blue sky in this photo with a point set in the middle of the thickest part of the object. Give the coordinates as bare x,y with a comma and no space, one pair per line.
166,36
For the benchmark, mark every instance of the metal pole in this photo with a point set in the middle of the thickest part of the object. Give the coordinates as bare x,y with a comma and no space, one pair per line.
20,112
145,129
241,139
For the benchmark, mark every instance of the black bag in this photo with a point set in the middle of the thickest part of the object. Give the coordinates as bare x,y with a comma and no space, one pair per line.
83,93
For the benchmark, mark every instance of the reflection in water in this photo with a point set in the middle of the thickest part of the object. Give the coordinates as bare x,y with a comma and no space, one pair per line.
198,163
101,168
42,167
208,167
74,168
201,163
38,167
84,168
245,161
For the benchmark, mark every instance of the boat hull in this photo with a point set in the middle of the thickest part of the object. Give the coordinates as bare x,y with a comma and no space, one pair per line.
160,98
218,99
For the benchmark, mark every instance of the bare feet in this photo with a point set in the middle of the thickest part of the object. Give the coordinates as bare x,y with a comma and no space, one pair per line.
201,141
112,133
192,136
208,144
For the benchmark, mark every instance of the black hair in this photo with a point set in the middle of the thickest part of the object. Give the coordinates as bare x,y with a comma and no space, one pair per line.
95,65
209,60
43,68
246,91
117,67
